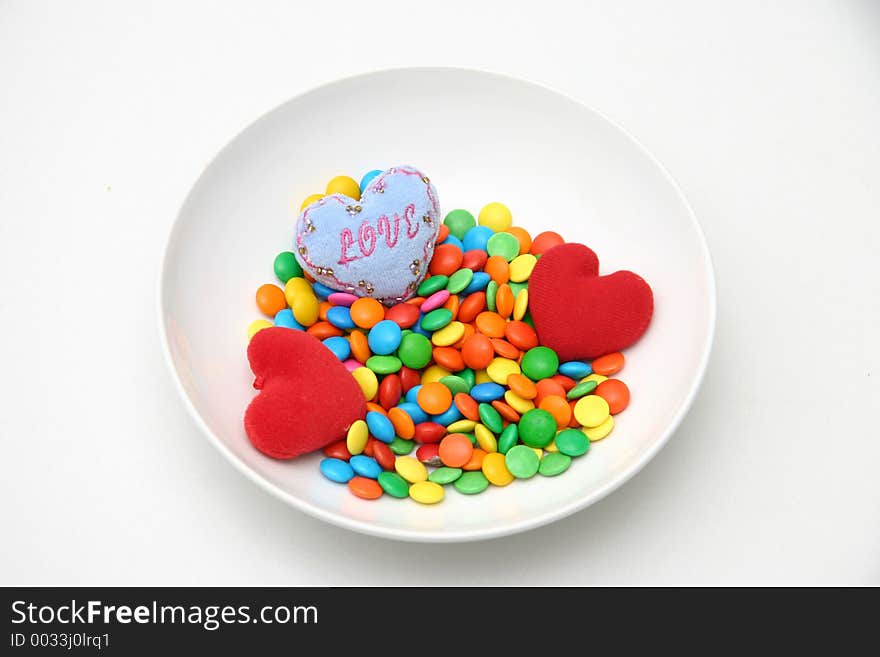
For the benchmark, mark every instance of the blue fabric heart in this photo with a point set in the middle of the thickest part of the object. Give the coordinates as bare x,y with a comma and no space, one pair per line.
377,247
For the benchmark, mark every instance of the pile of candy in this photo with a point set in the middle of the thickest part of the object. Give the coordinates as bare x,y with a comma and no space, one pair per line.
456,373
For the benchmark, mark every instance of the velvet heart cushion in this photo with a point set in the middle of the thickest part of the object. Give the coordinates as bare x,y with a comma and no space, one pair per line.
379,246
581,315
307,398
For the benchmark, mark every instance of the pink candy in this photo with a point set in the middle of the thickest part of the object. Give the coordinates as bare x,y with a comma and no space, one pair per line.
351,364
434,301
342,299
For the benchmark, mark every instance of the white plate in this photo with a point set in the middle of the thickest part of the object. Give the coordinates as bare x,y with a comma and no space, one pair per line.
480,137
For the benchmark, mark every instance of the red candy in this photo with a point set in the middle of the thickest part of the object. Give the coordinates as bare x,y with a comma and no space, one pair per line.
429,432
429,454
383,454
403,314
474,259
390,391
446,261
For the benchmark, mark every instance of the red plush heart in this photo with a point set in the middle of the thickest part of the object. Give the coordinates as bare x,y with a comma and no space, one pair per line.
581,315
307,398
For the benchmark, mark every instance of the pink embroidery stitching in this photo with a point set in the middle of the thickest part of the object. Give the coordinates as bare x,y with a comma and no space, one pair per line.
408,214
367,232
385,229
346,238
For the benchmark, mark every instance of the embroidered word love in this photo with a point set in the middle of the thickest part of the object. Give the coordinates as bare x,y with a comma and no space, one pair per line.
378,246
367,235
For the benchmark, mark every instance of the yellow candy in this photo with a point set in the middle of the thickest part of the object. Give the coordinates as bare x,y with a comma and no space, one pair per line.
434,374
538,452
549,448
521,305
598,378
462,426
598,433
495,469
411,469
309,200
481,376
485,438
344,185
496,216
367,380
448,335
305,308
500,368
427,492
591,411
257,325
521,267
518,404
358,434
295,287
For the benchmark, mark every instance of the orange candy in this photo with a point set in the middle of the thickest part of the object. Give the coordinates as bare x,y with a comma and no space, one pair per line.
504,349
477,351
323,308
323,330
467,406
456,450
476,462
270,299
608,364
522,386
368,489
504,300
573,423
469,330
449,358
557,407
522,236
360,348
520,335
366,312
443,233
434,398
452,304
545,241
472,306
446,260
403,424
498,269
491,324
548,388
616,393
373,406
566,382
506,411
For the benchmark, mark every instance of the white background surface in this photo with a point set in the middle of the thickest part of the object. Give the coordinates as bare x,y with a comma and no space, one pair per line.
766,114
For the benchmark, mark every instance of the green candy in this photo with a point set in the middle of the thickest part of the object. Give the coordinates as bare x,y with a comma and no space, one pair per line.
572,442
491,291
516,287
581,389
522,462
540,363
393,484
400,446
459,222
415,350
554,463
504,245
508,438
436,319
537,428
528,319
490,417
471,483
384,364
459,280
468,376
286,266
455,384
433,284
444,475
472,438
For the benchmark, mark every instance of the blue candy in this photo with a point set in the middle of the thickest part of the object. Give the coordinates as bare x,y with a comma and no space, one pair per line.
380,426
340,317
478,282
417,327
575,369
452,239
412,393
416,414
477,237
368,177
322,291
487,392
286,319
365,466
384,338
337,470
340,347
452,414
